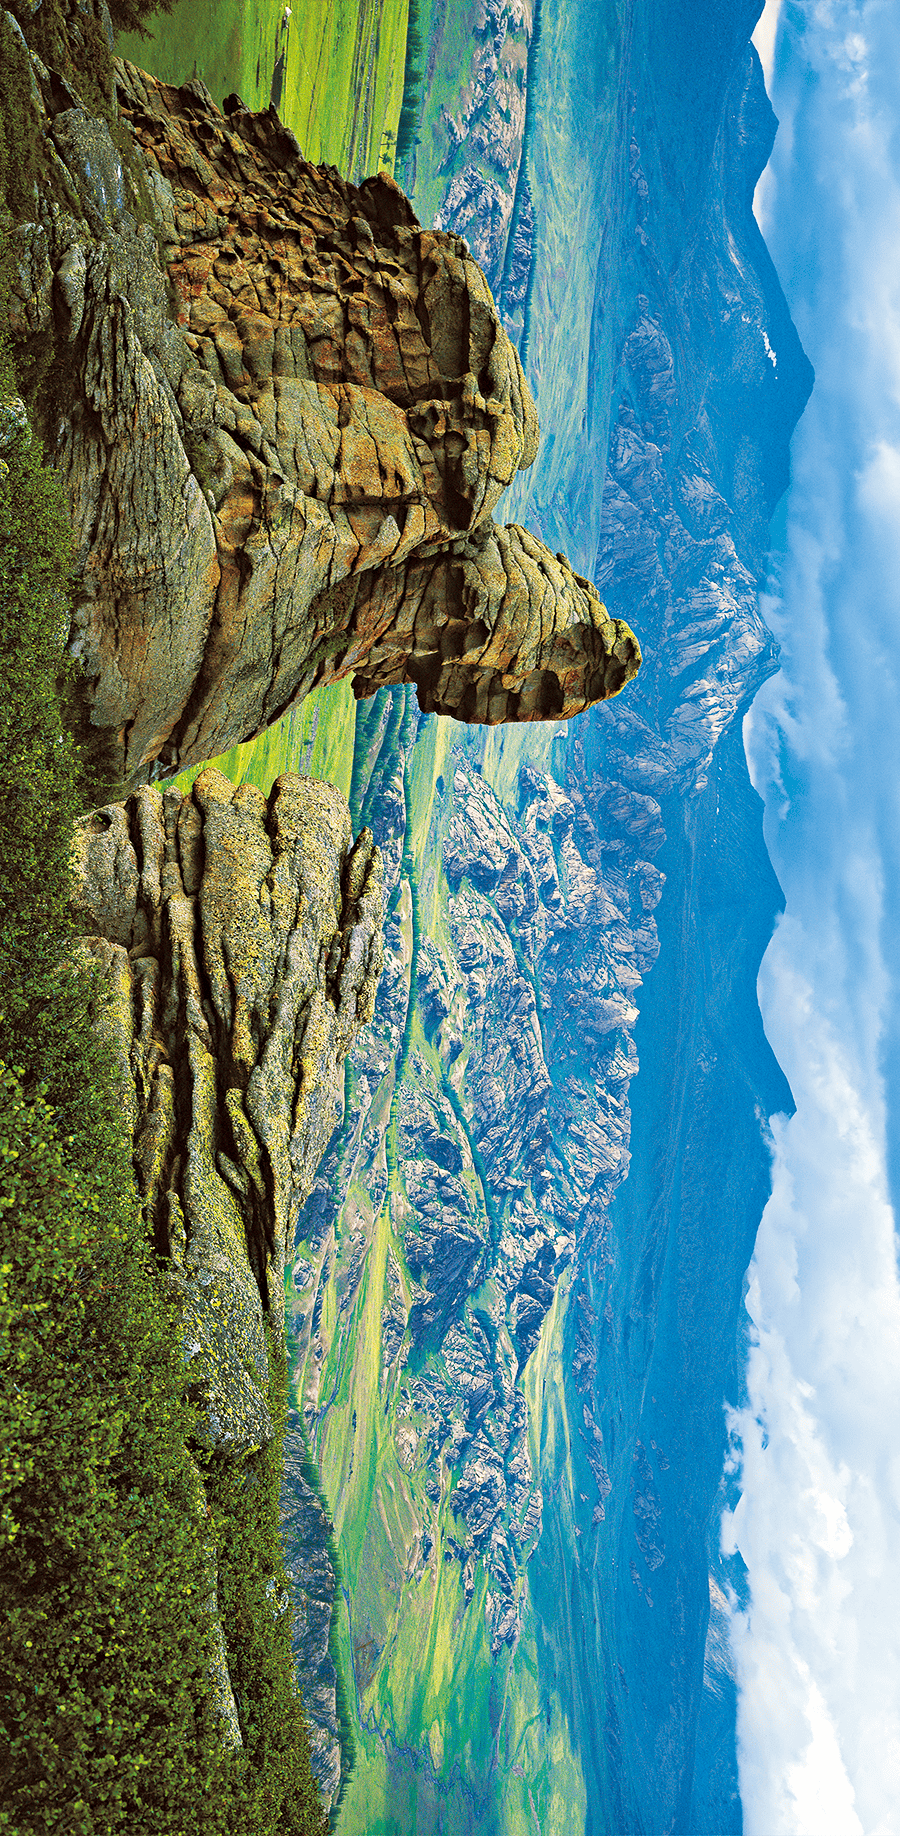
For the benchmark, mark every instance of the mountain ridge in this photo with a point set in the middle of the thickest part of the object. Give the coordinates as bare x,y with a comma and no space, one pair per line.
465,1227
547,865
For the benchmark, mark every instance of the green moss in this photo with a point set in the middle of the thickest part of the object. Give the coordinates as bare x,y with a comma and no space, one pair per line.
22,166
39,789
20,160
77,47
73,42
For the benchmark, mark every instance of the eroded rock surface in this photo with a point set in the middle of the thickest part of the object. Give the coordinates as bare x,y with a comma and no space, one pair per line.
284,442
240,939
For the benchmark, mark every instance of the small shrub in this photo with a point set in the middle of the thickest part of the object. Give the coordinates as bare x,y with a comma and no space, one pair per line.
132,15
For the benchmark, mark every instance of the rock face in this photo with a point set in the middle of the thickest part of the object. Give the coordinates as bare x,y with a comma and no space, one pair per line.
240,939
293,481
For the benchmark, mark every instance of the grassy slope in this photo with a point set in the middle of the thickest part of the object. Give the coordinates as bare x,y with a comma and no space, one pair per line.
102,1513
574,155
448,29
444,1737
343,69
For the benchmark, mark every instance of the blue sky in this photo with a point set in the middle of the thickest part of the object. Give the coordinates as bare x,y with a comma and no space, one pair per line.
818,1651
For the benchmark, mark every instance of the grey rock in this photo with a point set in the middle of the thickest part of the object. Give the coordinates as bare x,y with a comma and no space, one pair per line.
240,942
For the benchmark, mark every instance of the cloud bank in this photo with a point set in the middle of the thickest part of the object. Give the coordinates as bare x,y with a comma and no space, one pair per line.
765,36
818,1525
818,1650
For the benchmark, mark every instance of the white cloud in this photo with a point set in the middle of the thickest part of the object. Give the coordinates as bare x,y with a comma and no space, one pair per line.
764,199
818,1650
765,36
818,1523
879,483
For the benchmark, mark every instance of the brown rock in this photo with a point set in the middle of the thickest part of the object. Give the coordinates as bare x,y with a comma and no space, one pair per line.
296,482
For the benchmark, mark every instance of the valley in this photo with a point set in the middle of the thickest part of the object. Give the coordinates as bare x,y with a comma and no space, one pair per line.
515,1295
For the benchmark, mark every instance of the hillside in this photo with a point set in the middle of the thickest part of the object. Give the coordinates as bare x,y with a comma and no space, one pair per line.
513,1293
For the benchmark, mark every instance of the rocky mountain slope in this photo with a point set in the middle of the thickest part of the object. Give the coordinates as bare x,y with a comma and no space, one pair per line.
507,1331
238,945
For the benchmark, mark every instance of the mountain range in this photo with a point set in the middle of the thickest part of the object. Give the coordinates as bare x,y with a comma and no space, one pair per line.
513,1292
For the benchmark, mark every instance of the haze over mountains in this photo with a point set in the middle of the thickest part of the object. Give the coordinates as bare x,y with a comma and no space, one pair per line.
819,1662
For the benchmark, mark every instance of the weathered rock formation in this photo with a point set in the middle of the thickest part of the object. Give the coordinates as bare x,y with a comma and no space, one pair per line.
239,944
284,442
240,940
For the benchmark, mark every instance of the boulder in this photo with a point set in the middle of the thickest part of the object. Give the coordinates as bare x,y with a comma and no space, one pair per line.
285,418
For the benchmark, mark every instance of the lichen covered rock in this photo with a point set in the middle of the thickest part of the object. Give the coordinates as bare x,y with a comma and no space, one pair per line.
284,442
239,940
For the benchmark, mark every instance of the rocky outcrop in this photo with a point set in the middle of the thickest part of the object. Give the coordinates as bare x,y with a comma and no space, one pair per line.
239,939
283,444
238,945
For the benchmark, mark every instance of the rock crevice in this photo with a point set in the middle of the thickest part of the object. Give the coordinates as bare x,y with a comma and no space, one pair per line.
289,414
239,938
